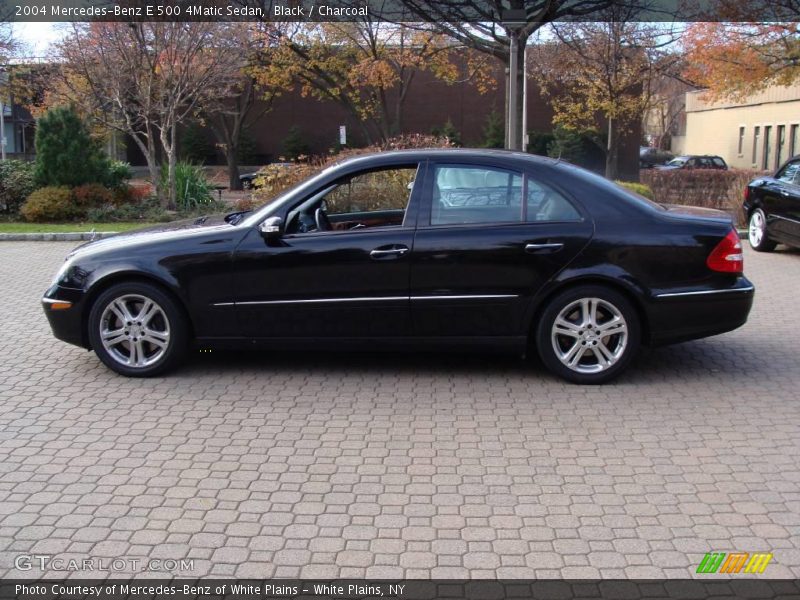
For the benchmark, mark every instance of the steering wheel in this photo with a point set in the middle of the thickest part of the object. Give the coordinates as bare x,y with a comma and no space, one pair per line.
322,220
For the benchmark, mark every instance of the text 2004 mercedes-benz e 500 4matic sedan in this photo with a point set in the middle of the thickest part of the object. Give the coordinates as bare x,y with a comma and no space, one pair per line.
444,249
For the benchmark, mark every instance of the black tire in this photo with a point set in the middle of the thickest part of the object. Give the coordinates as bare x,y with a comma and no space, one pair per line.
765,244
169,330
584,372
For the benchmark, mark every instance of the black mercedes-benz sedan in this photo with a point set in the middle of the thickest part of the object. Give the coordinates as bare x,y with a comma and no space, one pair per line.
433,249
772,208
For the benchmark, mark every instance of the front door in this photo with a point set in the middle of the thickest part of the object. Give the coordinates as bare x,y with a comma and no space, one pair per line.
782,201
341,267
482,253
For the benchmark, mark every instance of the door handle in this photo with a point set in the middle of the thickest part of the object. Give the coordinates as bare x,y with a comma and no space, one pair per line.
388,252
543,247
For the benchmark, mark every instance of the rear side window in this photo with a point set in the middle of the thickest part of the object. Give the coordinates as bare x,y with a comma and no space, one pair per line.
470,194
466,194
718,162
546,204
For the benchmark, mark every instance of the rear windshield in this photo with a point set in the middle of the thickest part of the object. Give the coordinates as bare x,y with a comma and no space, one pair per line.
613,187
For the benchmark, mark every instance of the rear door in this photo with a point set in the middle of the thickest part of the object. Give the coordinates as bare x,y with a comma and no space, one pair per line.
481,253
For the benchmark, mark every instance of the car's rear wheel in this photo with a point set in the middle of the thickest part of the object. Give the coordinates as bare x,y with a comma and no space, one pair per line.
137,329
757,232
588,334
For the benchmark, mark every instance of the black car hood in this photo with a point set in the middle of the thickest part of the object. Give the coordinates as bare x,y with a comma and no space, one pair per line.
156,233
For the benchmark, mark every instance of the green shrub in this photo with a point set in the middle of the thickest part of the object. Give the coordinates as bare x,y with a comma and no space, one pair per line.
494,134
191,186
194,144
17,181
65,152
295,146
580,147
149,210
538,141
118,174
247,150
638,188
449,131
52,203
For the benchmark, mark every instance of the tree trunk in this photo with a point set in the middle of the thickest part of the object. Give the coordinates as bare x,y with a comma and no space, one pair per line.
612,154
168,143
234,183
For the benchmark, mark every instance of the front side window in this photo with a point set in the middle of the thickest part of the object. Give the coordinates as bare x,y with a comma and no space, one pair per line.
790,173
376,198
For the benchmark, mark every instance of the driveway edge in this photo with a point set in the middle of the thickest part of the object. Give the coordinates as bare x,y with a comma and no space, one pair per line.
55,237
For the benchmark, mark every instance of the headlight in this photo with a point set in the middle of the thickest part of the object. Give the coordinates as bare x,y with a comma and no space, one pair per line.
62,272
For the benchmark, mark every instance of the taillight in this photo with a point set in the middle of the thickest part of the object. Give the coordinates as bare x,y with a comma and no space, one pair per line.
747,193
727,256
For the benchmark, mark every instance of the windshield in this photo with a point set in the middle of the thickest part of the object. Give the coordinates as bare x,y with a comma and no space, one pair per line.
677,162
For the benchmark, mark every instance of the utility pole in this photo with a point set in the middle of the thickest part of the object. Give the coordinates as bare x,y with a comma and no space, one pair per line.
2,131
514,20
3,78
525,100
513,127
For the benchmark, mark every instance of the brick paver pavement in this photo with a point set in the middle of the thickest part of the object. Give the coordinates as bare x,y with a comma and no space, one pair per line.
402,466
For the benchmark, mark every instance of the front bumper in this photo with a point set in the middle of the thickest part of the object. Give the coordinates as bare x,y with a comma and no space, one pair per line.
67,323
679,316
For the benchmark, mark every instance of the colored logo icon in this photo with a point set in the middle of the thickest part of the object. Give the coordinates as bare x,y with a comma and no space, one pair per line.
734,562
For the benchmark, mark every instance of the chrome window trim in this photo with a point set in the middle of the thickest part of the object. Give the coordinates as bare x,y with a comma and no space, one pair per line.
367,299
774,216
705,292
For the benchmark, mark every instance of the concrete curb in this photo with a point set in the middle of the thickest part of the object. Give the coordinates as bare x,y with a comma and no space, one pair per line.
55,237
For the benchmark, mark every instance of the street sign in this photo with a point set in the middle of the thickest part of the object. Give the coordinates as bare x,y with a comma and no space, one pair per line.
342,135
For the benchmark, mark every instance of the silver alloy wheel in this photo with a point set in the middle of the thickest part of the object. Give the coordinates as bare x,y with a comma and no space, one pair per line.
134,330
589,335
757,229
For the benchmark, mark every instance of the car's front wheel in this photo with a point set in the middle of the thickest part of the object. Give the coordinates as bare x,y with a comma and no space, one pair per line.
757,232
588,334
137,329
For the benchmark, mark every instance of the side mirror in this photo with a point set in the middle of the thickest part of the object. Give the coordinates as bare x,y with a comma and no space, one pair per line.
271,228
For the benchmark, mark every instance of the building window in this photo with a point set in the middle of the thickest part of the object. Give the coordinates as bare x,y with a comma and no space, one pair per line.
780,155
741,141
756,133
767,147
794,142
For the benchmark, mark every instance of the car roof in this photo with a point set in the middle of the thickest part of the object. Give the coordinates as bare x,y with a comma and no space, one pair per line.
699,156
447,153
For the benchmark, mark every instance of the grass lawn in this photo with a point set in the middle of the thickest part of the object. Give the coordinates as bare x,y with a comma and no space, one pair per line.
12,227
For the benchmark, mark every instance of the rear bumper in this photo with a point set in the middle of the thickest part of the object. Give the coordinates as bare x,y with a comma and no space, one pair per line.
678,316
66,323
